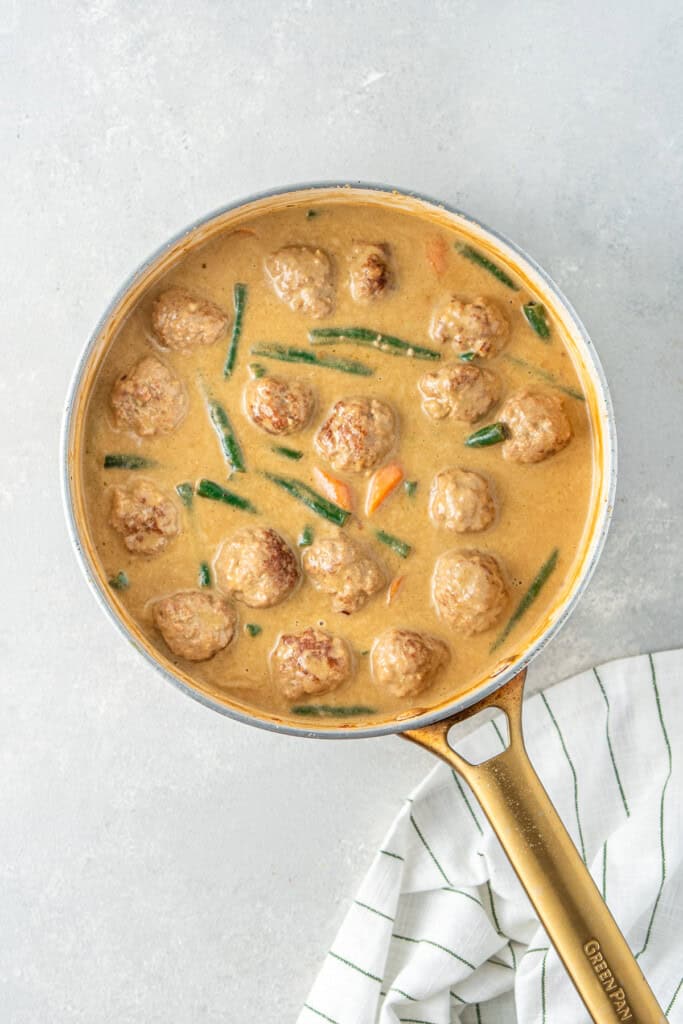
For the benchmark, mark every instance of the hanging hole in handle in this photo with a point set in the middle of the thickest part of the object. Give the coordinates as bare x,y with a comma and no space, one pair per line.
482,737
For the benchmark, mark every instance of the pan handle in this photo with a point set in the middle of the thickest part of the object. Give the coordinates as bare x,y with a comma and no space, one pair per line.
573,913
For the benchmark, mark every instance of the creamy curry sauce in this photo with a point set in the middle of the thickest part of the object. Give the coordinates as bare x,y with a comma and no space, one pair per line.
539,506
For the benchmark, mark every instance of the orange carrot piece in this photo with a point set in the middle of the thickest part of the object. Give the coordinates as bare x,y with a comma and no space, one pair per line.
382,483
394,588
333,489
436,249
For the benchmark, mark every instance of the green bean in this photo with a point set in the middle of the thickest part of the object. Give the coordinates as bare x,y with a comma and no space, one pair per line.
467,357
536,318
305,537
483,261
123,461
120,581
371,339
307,496
253,629
204,574
331,710
547,376
493,433
213,491
399,546
239,296
286,354
288,453
185,492
410,487
532,593
226,436
257,370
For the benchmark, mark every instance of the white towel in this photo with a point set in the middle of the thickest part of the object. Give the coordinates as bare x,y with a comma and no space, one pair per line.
441,930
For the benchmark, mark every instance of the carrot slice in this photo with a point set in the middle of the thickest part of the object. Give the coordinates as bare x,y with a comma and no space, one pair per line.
436,249
333,489
382,483
394,588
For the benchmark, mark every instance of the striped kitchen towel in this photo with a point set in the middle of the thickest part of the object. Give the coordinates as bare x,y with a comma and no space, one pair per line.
441,930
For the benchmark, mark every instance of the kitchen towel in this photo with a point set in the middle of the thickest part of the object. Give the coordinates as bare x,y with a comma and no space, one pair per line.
441,930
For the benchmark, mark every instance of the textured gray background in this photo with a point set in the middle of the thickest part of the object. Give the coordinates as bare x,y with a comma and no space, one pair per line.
157,862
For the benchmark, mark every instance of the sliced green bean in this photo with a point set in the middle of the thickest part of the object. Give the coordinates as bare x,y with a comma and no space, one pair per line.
204,574
286,354
257,370
467,357
532,593
226,435
120,581
410,487
399,546
288,453
210,489
307,496
123,461
493,433
536,318
185,492
474,256
239,298
305,537
331,710
253,629
547,376
371,339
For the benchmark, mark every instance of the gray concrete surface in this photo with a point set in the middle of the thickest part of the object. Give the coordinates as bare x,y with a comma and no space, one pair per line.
159,863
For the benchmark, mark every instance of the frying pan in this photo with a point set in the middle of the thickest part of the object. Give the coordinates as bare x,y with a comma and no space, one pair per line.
549,867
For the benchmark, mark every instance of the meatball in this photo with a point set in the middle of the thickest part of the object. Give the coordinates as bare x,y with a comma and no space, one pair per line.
302,277
195,624
537,426
469,590
477,326
278,406
460,390
370,275
461,501
309,662
357,434
257,567
143,515
340,567
149,399
182,321
405,662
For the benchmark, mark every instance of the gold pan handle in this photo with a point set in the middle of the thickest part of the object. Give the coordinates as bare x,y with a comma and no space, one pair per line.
567,901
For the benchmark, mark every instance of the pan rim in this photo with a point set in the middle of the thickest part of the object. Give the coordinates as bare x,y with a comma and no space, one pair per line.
594,546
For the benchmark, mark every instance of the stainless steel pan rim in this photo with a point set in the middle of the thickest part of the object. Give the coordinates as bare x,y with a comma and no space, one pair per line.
457,704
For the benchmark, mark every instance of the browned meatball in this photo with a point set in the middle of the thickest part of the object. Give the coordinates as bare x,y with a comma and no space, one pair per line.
143,515
460,390
341,567
477,326
195,624
469,590
537,426
406,662
257,567
357,434
302,277
182,321
370,275
461,501
149,399
279,406
309,662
